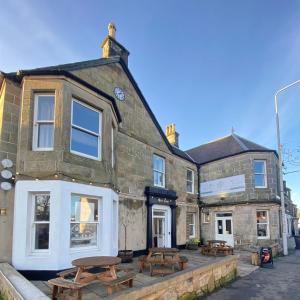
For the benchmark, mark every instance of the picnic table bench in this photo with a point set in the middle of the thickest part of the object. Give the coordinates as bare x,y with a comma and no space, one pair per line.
75,279
215,247
162,257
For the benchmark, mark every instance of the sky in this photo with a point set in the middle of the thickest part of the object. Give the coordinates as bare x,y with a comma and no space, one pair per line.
207,66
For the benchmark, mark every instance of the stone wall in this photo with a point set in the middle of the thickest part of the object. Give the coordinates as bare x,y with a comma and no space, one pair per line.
244,224
189,284
137,140
60,161
242,164
13,286
10,95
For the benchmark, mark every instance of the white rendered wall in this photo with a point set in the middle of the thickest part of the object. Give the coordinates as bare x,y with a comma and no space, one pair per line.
60,255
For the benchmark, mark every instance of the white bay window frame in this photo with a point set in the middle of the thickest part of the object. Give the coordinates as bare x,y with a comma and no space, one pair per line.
87,131
35,222
37,123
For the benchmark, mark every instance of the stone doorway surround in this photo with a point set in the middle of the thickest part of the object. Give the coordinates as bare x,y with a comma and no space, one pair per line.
158,196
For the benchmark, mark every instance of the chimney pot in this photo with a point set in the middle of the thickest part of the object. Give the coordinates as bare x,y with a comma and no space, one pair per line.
112,30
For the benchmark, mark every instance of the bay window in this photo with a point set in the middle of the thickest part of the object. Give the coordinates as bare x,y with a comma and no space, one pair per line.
158,171
260,173
84,221
40,221
262,220
43,127
85,130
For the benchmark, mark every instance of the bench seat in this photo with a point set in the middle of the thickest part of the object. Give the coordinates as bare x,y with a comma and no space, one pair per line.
115,283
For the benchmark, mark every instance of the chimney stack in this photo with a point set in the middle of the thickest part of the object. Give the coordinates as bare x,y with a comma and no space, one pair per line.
110,47
172,135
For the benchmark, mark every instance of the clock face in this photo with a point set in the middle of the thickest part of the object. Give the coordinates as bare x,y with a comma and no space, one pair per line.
119,93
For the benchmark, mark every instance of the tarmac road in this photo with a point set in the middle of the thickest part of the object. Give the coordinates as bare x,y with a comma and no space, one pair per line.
281,282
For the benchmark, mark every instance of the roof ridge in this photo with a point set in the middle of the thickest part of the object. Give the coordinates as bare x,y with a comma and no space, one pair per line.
236,137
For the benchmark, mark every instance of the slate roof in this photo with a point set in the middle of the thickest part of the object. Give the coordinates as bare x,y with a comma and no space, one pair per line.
224,147
65,69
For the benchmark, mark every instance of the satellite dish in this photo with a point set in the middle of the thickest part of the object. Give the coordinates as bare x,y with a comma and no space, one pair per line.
6,174
6,163
6,186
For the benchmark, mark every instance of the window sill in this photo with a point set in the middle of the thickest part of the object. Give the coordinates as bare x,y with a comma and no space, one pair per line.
261,187
263,237
42,149
84,249
85,155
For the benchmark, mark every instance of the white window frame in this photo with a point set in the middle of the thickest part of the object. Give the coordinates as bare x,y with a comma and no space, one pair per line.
33,223
191,181
36,122
193,224
98,223
267,223
265,173
159,171
99,135
204,218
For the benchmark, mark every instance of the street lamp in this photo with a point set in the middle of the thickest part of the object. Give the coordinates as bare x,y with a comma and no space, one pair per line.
279,147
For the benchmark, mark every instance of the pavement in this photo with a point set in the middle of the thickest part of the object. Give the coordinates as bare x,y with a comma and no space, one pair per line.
281,282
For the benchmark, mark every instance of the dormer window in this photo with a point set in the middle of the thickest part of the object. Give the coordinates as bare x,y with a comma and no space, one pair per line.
43,130
86,130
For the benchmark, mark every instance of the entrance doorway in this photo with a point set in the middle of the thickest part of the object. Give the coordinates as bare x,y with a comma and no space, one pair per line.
161,226
224,228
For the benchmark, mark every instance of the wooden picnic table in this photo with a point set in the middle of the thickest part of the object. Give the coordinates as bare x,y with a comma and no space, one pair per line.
217,242
216,246
84,277
162,257
107,262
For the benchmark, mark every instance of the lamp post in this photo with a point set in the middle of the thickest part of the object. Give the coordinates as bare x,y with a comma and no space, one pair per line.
279,147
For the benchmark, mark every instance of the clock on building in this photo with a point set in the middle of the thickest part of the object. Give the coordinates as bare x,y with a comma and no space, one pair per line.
119,93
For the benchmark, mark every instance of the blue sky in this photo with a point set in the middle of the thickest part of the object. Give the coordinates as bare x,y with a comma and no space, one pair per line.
207,66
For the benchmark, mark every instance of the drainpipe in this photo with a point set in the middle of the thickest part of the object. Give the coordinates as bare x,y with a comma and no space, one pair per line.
199,202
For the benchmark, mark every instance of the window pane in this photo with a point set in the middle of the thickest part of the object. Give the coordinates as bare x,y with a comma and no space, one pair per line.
259,180
45,136
85,117
158,178
191,230
189,175
259,167
84,209
158,163
262,229
41,236
189,186
45,108
84,143
83,235
220,227
228,226
42,208
261,217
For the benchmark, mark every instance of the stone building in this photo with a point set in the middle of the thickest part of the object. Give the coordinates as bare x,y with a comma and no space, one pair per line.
89,160
239,191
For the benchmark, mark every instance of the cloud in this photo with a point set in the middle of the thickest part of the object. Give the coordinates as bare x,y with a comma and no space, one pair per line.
27,40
